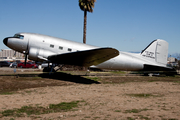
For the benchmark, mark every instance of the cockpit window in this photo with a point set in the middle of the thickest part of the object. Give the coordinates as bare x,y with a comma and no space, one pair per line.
19,36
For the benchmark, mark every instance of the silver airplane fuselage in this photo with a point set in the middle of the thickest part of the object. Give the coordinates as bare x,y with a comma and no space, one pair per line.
40,47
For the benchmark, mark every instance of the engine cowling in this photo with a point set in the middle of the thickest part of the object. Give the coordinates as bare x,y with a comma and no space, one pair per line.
39,54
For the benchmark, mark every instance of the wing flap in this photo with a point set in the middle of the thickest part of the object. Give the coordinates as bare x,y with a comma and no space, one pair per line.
85,58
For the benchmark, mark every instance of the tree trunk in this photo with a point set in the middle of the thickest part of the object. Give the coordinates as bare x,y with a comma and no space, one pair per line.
85,22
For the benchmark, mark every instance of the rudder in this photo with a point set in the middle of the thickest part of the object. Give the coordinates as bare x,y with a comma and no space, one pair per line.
156,51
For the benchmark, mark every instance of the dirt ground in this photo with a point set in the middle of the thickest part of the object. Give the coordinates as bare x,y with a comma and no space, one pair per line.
103,96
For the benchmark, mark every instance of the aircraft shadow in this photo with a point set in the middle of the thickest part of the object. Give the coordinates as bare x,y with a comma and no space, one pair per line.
68,77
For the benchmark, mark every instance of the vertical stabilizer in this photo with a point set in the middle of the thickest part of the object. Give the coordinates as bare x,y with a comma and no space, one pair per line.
157,51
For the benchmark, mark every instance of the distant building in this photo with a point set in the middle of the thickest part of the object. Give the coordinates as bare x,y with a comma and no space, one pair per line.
10,54
172,62
172,59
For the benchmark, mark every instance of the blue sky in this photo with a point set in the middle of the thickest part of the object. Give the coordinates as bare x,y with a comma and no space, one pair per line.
127,25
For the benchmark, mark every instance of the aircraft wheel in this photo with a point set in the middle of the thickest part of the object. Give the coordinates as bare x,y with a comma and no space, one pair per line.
146,74
46,69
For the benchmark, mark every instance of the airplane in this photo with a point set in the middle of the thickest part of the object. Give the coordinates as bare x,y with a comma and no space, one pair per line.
54,50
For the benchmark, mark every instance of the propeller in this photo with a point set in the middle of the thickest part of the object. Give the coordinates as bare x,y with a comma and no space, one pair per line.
26,53
14,54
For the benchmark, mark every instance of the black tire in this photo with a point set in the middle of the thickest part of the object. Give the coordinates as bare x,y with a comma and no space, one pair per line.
46,69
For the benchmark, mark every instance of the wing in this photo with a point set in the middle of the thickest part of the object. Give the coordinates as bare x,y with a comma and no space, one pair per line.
85,58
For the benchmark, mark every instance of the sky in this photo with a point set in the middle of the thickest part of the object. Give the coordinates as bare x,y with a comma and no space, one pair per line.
127,25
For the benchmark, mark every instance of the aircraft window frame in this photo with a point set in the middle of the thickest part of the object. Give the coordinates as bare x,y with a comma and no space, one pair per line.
51,45
61,48
18,36
69,49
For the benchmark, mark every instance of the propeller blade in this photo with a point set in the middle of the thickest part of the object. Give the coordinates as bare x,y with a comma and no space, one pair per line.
14,53
26,53
26,56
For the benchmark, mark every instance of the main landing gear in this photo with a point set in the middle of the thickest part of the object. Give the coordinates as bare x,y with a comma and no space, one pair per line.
50,68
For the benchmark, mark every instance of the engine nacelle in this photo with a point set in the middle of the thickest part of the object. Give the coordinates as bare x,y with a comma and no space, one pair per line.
39,54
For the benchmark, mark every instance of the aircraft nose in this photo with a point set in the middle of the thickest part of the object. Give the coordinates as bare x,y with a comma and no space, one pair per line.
5,41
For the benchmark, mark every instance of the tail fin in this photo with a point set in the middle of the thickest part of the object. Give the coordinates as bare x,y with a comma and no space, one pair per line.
157,51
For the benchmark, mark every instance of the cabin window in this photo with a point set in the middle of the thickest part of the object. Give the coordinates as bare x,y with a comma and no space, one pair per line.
60,47
52,46
19,36
69,49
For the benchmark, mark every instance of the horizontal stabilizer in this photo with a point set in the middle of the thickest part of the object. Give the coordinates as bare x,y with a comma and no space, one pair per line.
158,68
85,58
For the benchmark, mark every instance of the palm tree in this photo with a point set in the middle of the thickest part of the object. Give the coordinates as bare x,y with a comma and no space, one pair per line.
86,6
